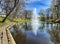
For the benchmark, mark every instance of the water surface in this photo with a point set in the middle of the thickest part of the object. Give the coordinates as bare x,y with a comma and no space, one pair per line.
23,33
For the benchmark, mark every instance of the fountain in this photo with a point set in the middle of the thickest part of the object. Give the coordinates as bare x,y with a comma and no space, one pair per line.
35,22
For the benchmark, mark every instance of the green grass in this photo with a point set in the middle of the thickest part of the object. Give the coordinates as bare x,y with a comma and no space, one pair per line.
17,20
1,18
20,20
6,21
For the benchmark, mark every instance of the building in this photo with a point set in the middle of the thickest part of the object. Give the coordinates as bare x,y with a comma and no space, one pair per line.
2,14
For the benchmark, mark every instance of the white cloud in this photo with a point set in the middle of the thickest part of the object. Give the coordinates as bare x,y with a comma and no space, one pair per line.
31,1
42,1
34,0
32,4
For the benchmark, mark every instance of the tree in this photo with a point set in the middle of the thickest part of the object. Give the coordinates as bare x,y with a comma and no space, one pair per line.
48,13
56,9
19,9
27,14
8,6
42,15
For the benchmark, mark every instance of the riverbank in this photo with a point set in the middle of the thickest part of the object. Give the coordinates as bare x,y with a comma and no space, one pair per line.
20,20
50,21
16,20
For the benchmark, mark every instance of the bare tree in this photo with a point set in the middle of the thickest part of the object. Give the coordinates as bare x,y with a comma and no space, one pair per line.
8,6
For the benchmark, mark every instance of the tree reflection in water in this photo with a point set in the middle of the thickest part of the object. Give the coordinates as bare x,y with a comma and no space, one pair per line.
18,36
42,27
21,37
27,26
55,34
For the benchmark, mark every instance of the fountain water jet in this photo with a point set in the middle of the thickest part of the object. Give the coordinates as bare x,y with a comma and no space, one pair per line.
35,22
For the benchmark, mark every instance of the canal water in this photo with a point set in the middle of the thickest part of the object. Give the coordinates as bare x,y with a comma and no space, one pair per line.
47,33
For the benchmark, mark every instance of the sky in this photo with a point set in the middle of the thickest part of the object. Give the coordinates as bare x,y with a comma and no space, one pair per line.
38,4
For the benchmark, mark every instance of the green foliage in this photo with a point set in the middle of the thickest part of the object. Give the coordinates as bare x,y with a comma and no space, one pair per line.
20,20
42,18
1,18
6,21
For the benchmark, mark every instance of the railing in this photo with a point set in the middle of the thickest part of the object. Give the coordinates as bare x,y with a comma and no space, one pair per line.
10,38
5,35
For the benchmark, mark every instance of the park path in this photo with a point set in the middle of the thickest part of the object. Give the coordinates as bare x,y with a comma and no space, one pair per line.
5,35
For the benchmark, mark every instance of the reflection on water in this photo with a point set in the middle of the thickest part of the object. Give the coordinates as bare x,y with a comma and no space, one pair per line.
35,22
46,33
55,33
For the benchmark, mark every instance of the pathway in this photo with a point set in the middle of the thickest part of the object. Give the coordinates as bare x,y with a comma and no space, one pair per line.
5,35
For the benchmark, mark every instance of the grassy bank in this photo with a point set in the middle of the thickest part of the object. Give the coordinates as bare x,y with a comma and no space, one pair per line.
17,20
6,21
20,20
49,20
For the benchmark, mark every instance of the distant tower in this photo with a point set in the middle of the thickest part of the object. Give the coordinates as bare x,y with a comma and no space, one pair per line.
56,8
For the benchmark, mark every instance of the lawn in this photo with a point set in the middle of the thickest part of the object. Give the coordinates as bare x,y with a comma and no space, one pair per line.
20,20
17,20
1,18
6,21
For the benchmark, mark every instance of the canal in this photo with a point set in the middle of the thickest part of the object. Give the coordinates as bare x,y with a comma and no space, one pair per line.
45,34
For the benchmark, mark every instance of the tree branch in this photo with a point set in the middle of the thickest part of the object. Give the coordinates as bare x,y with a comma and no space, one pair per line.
10,12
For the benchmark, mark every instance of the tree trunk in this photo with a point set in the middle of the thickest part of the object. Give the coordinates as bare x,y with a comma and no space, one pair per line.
9,12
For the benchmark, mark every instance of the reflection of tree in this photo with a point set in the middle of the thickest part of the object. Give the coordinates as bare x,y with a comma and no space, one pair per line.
27,26
19,37
55,34
42,27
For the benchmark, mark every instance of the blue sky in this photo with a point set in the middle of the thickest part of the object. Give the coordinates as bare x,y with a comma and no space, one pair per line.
38,4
